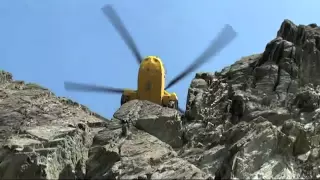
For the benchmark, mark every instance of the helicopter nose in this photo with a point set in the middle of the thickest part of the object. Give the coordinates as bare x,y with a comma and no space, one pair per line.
152,63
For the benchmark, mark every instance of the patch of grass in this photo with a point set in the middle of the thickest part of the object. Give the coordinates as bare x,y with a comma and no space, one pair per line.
34,86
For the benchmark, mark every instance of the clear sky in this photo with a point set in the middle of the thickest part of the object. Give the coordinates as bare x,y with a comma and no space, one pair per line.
51,41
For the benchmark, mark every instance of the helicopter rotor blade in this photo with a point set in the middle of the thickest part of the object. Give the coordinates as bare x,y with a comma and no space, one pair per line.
223,39
123,32
91,88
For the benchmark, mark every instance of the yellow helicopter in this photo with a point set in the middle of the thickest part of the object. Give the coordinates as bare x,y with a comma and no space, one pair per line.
151,75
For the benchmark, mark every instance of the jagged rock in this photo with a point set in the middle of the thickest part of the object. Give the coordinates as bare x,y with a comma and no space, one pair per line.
138,156
161,122
256,119
262,111
41,136
5,77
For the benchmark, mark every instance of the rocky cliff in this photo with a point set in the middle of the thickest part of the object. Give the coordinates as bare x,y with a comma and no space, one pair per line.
256,119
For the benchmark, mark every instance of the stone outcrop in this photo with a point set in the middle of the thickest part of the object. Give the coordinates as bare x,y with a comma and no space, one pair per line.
261,113
256,119
42,136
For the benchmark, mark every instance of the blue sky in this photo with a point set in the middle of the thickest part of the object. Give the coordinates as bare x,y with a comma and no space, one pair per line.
48,42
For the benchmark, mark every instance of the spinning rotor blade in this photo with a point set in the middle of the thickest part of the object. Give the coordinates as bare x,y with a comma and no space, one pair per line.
224,38
91,88
119,26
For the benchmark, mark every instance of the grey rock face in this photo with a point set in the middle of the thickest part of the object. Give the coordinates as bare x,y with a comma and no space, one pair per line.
261,111
41,136
163,123
256,119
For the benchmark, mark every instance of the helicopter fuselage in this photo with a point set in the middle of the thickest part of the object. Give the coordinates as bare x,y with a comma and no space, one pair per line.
151,84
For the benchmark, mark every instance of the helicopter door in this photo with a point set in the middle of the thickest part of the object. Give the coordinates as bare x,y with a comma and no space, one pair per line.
153,88
149,85
148,89
145,87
